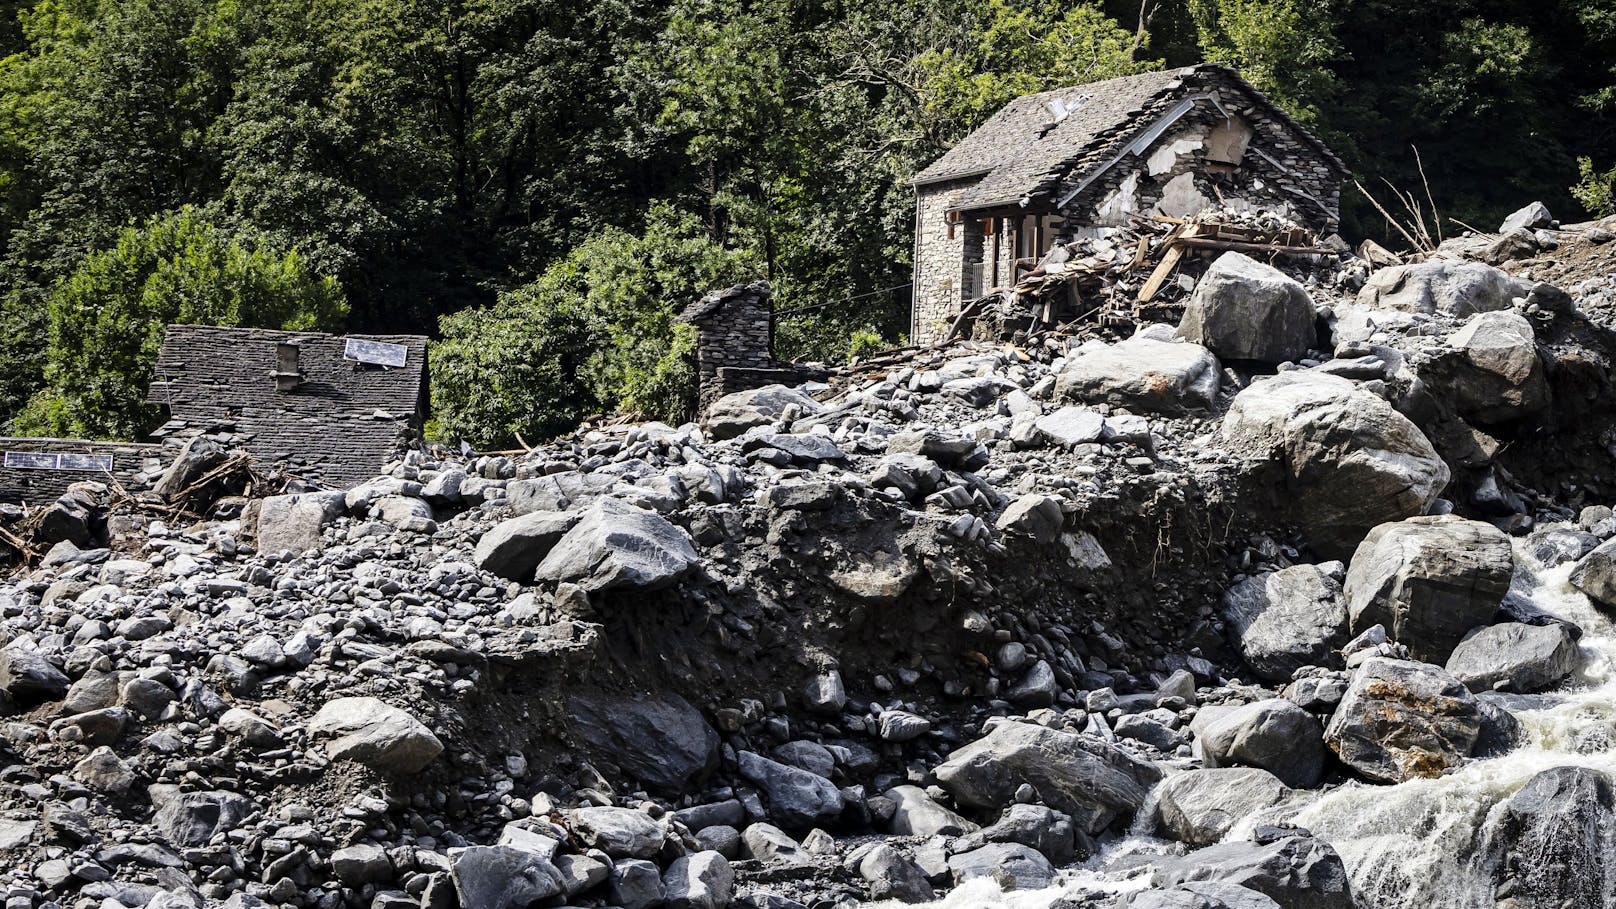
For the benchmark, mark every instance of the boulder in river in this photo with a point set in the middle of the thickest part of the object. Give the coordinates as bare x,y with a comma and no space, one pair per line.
1555,842
1525,658
1400,720
1429,580
1288,619
1595,574
1296,871
1197,807
1275,735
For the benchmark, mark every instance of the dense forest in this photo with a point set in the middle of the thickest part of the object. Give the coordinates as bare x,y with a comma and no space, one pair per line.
543,184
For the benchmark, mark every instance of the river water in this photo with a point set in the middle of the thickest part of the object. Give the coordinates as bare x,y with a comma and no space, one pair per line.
1419,843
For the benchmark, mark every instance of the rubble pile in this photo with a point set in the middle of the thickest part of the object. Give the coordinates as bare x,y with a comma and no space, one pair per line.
957,621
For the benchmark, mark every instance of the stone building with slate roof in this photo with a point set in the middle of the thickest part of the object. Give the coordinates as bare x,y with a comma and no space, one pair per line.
327,409
1076,161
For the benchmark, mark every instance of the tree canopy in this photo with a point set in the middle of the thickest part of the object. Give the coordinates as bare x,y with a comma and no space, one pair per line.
462,156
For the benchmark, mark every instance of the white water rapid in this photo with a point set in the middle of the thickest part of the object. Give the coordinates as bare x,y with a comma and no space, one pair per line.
1419,843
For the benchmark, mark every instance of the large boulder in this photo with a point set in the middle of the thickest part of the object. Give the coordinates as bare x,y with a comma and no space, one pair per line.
1595,574
383,737
734,414
1347,460
1400,720
1495,375
1011,865
1429,580
1556,837
502,877
918,814
797,799
702,880
616,545
659,739
1288,619
198,456
1275,735
1092,780
189,819
294,522
1141,373
1523,658
1297,872
1457,289
1243,309
29,678
513,549
1198,807
618,832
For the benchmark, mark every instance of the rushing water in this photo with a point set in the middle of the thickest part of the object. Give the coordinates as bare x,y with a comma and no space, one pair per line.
1419,843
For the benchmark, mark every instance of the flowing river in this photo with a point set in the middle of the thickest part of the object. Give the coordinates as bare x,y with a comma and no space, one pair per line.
1424,842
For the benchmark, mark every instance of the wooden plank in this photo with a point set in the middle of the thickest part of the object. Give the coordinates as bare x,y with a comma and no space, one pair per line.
1239,246
1163,269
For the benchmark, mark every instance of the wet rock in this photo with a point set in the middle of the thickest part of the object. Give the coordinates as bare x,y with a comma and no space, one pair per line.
513,549
1555,546
616,545
1041,828
1560,829
1288,619
1197,807
1401,719
1242,309
1458,289
1275,735
1011,865
1500,733
370,732
1141,373
660,739
1527,657
1429,580
1093,781
1346,459
1595,575
502,877
797,799
917,814
1295,871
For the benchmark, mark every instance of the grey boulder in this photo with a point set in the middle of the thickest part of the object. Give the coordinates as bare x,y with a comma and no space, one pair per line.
917,814
1458,289
734,414
370,732
618,832
1242,309
1297,872
1595,574
1141,373
1287,619
703,880
513,549
616,545
1561,826
193,818
1400,720
1274,735
797,799
1085,777
659,739
1345,460
1429,580
293,523
1010,865
1527,657
1496,375
1197,807
502,877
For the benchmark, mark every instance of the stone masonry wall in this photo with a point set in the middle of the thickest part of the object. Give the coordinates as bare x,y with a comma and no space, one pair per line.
939,260
134,466
734,336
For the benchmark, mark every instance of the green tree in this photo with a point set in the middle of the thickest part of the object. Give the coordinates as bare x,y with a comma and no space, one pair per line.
106,319
594,331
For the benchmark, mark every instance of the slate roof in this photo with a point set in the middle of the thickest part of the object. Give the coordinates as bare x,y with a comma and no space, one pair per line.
1016,152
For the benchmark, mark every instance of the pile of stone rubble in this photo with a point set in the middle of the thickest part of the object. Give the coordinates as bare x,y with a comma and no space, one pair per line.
969,618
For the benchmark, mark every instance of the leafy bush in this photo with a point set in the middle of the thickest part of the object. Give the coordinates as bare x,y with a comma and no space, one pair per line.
106,317
595,331
1596,191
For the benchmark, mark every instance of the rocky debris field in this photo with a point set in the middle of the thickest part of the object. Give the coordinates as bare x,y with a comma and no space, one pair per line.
973,616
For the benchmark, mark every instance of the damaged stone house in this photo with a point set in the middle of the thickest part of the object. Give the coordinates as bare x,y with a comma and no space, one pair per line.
1078,161
325,409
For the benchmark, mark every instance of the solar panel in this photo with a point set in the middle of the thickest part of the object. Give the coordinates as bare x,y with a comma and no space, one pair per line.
31,460
375,352
98,462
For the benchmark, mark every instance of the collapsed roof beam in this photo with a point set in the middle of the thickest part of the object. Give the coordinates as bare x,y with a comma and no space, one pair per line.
1145,140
